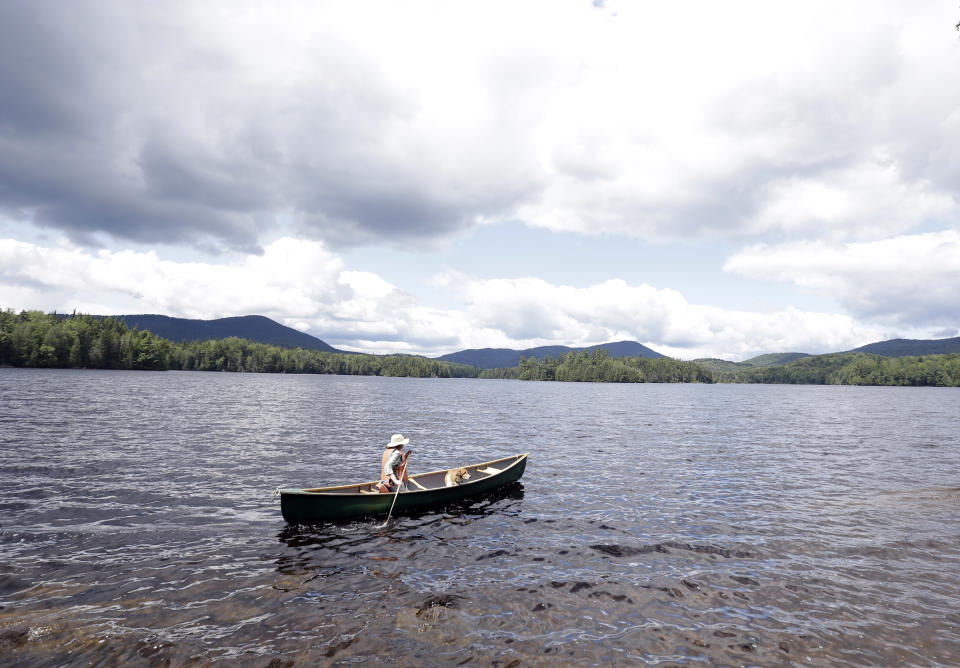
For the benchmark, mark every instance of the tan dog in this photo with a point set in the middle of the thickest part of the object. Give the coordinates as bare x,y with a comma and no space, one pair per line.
455,477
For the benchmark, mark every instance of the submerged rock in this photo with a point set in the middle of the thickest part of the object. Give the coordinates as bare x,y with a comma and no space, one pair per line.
14,635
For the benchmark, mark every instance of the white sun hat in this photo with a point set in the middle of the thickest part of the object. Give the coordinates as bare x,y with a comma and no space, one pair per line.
397,440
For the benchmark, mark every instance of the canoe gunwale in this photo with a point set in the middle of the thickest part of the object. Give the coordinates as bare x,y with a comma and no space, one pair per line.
331,490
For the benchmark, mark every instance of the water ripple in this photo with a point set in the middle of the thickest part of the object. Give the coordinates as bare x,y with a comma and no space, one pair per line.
655,524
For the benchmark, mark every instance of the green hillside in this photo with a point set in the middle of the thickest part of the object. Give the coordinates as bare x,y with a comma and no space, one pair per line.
250,327
854,369
499,358
715,365
600,367
773,359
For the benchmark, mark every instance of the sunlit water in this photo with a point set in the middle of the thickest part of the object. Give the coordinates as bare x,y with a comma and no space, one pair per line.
655,523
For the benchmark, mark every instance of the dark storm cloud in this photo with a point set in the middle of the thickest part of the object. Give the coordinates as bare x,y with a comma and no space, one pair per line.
398,210
116,119
45,71
69,158
211,124
170,173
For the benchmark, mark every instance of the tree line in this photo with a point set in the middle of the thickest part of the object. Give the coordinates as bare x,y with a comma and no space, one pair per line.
37,339
855,369
598,366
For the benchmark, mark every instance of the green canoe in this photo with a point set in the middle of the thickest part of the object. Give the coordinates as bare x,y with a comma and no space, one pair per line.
360,499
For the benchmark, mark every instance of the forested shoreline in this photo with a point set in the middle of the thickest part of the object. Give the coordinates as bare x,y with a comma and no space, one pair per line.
598,366
41,340
855,369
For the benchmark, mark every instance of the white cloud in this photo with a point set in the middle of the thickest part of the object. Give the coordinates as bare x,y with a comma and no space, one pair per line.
298,283
865,200
520,313
909,280
749,121
302,284
406,123
292,277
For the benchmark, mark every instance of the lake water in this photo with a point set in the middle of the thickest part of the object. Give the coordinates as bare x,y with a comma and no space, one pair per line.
655,524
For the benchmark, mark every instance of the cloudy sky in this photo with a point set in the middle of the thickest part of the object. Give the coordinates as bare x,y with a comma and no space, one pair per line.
710,179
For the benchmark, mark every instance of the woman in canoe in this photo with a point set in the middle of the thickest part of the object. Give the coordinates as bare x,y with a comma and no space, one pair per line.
393,465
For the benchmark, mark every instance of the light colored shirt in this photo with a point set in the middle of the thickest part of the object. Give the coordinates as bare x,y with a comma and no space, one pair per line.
390,468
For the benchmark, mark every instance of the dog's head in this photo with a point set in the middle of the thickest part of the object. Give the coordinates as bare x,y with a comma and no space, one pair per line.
461,474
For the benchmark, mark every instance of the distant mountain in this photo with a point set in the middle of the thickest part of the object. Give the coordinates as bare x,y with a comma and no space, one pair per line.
911,347
891,348
760,361
499,358
253,327
773,359
717,365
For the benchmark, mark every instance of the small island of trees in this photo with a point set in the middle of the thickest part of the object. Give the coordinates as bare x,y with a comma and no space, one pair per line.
598,366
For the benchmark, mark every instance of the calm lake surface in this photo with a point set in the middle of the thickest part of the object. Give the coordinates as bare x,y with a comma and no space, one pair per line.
655,524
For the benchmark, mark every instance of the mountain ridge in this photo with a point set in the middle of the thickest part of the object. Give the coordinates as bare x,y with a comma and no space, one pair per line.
766,360
265,330
911,347
887,348
257,328
498,358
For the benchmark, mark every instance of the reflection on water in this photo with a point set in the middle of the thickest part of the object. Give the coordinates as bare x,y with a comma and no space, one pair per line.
735,525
